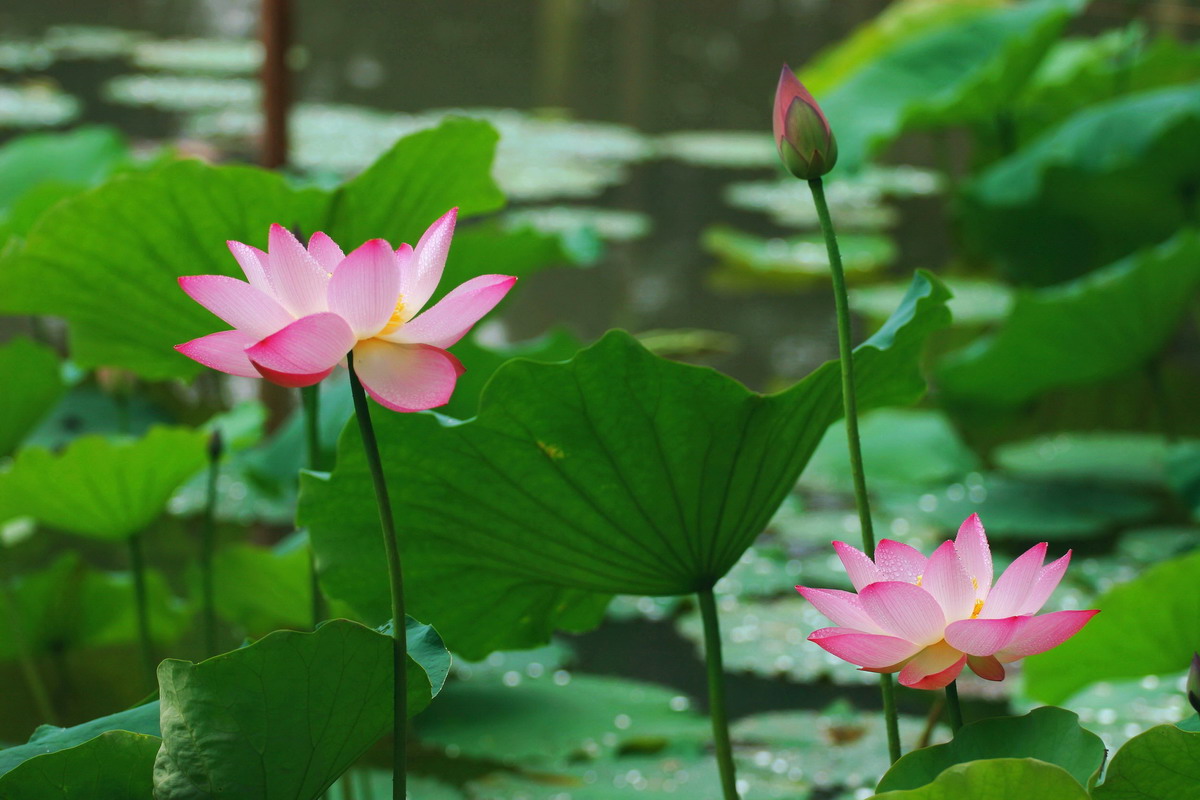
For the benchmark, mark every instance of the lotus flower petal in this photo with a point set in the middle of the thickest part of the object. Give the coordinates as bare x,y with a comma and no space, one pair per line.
1045,584
871,651
982,637
933,668
325,251
986,667
238,303
1013,587
297,278
897,561
224,351
1039,634
904,610
971,544
947,581
843,608
455,314
310,346
424,271
254,264
859,567
364,289
406,377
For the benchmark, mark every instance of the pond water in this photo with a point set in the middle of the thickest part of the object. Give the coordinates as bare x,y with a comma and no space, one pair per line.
645,121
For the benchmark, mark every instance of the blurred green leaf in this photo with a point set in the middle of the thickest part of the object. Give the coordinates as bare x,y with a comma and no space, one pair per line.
103,488
260,590
753,261
107,261
1137,458
69,606
116,765
553,496
79,158
33,386
1109,180
283,716
997,779
967,70
1049,734
482,362
1101,325
1078,73
1148,626
1162,762
52,739
899,23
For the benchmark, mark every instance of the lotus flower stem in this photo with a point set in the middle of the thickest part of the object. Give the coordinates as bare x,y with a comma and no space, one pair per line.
850,408
362,411
310,397
716,692
137,565
208,535
953,707
33,679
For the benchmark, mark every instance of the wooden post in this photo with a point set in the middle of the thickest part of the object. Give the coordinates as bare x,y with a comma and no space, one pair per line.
276,84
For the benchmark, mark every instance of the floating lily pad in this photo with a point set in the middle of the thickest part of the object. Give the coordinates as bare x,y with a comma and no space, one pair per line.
608,223
749,260
899,446
181,93
510,667
975,302
1014,508
36,105
556,716
92,42
722,149
22,56
1137,458
215,56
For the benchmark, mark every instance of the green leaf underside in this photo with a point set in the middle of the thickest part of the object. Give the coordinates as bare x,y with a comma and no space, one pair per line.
32,390
282,717
615,473
50,739
1048,734
964,71
1161,762
997,779
1114,319
1148,626
1105,182
101,488
116,765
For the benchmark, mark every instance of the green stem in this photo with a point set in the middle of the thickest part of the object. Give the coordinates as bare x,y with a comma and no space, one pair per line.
208,538
41,697
387,525
850,411
716,692
311,400
953,707
137,564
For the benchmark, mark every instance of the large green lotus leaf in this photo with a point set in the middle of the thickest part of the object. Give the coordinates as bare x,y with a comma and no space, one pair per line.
1107,181
32,388
1104,324
1048,734
108,260
51,739
116,765
282,717
555,717
996,779
967,70
79,157
1162,762
1078,73
1148,626
422,177
896,25
104,488
482,362
617,472
68,606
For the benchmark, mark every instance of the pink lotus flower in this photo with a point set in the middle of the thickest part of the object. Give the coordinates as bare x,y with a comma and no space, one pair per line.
928,617
300,311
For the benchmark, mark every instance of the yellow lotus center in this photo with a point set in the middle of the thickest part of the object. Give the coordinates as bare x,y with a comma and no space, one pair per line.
919,577
397,318
978,607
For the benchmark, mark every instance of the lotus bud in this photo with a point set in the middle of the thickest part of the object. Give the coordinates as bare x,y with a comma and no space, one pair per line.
802,134
1193,683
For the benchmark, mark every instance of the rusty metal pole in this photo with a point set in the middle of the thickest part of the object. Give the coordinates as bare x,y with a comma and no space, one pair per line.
276,84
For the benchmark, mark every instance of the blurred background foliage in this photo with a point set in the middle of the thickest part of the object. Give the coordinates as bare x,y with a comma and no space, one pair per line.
1039,157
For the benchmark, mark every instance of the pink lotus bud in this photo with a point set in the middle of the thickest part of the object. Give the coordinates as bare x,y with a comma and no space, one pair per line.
802,134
